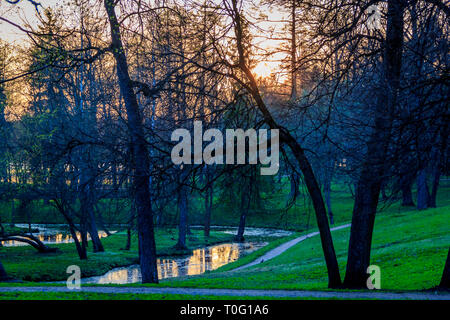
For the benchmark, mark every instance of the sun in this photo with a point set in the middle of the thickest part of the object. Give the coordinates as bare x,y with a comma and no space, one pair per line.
263,69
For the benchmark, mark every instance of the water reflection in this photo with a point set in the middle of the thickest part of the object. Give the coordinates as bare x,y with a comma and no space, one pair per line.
201,260
48,235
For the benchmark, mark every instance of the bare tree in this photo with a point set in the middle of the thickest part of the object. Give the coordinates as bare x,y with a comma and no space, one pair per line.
141,161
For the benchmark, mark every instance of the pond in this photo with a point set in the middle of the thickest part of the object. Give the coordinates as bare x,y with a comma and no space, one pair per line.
201,260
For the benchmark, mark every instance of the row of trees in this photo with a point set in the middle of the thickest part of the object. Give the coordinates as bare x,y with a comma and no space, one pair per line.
362,105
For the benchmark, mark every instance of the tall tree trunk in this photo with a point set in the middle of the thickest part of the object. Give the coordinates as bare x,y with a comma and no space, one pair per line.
371,178
334,279
445,280
423,195
141,161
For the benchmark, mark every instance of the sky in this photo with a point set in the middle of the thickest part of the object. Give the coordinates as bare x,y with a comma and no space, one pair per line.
19,13
24,12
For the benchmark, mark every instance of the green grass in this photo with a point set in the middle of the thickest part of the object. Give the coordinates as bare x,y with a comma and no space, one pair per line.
409,246
27,264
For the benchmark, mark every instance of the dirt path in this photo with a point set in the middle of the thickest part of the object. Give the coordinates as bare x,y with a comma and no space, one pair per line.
244,293
282,248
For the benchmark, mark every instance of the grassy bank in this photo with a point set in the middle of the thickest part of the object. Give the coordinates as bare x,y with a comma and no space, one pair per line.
27,264
409,246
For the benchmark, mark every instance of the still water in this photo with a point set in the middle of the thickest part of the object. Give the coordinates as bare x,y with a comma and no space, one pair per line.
48,235
200,261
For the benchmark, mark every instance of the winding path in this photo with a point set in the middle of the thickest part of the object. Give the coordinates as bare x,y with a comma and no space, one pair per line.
282,248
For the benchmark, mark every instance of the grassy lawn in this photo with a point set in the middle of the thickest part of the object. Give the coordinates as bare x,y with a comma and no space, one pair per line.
409,246
27,264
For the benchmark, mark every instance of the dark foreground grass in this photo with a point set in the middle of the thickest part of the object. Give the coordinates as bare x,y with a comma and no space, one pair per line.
129,296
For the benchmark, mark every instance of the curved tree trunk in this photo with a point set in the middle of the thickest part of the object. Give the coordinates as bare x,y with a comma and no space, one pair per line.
334,279
141,160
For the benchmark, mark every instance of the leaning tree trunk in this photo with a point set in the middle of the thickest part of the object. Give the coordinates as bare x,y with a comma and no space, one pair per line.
82,253
445,280
371,178
93,231
141,160
87,212
81,250
334,279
